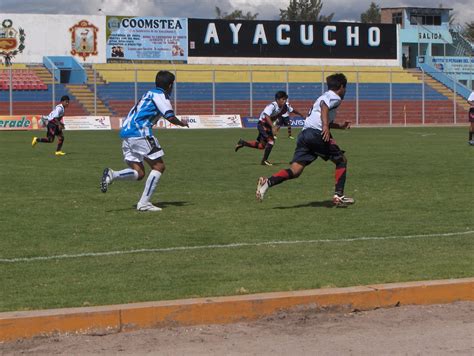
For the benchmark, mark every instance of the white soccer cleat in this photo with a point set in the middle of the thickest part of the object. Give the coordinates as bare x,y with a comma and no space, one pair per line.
342,201
106,179
147,207
262,187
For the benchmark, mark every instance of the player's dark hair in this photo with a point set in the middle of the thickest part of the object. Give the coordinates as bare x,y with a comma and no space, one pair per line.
65,98
164,79
335,81
281,94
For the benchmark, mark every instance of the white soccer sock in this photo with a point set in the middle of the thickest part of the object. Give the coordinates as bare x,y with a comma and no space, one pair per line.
150,186
125,174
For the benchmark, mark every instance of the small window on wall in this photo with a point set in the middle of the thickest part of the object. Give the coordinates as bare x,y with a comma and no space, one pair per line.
437,20
416,20
397,18
429,20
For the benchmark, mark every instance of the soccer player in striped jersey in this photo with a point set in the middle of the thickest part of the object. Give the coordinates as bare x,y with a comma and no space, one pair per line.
139,144
315,140
55,126
266,139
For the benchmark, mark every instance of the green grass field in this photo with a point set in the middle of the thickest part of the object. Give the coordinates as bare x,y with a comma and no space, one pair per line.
406,181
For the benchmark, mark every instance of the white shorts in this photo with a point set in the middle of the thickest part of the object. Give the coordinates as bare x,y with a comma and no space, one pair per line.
136,149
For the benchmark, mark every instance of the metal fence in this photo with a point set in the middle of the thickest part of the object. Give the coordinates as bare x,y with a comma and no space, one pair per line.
378,96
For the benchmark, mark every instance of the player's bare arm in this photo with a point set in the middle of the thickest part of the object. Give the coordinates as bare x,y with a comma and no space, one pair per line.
345,126
326,134
175,121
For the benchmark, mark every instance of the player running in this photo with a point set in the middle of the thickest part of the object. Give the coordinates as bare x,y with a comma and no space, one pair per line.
55,126
139,144
284,120
470,100
266,139
315,140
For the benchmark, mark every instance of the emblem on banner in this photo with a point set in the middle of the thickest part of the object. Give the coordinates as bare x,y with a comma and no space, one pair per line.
84,39
12,41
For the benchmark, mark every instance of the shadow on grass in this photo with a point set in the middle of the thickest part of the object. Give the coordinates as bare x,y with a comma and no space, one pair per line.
161,204
313,204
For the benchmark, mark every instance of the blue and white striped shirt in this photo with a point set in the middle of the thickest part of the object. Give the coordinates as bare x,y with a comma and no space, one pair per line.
151,107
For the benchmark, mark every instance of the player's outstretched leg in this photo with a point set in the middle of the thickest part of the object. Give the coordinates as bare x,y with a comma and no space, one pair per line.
106,180
239,145
262,187
109,175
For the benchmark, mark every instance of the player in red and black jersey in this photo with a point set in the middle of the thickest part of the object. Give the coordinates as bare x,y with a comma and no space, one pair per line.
55,126
266,138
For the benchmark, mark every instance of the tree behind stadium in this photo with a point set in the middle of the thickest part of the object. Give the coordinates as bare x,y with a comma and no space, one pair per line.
372,15
235,15
304,10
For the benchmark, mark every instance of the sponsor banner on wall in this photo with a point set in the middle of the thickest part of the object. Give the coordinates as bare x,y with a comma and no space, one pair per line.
292,39
147,38
20,122
251,122
87,123
27,38
460,65
204,122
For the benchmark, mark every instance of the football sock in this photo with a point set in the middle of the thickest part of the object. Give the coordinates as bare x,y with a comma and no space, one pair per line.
125,174
280,177
150,186
268,150
60,143
470,135
340,176
289,131
46,140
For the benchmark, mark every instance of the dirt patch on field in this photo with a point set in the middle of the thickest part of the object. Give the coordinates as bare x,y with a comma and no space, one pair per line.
429,330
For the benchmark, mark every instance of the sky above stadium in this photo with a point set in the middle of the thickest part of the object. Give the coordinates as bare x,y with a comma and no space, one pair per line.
267,9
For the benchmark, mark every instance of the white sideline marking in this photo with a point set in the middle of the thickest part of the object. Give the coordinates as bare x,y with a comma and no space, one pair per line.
234,245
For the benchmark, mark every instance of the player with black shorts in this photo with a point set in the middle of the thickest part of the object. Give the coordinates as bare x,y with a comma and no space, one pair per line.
470,100
266,139
315,140
55,126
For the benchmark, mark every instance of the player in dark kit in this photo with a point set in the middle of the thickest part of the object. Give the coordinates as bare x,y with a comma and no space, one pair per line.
55,126
470,100
266,139
315,140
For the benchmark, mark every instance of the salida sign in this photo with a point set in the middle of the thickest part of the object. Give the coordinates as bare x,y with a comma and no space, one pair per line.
238,38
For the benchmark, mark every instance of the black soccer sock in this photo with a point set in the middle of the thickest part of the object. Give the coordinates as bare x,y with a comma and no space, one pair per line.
470,135
280,177
268,150
60,143
289,131
46,140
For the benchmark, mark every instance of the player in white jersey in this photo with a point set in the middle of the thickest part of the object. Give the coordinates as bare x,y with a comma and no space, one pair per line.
139,144
470,100
54,126
265,139
283,119
315,140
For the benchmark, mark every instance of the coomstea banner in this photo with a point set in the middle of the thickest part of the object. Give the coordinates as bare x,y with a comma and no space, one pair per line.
147,38
87,123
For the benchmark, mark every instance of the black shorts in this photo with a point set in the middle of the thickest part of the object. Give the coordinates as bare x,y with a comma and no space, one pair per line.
310,145
265,133
283,121
53,129
471,115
